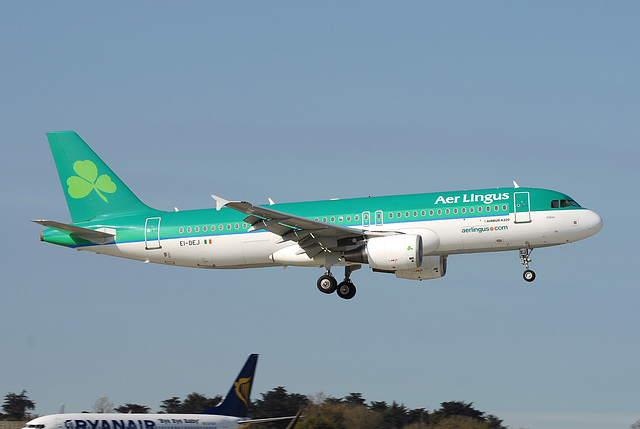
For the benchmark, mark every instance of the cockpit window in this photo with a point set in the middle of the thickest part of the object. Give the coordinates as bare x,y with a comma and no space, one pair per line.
568,203
563,203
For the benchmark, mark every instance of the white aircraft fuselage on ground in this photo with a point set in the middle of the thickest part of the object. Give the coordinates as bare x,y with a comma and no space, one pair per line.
231,413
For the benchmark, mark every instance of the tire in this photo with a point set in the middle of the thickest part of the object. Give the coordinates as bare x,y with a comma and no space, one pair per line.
346,290
529,275
327,284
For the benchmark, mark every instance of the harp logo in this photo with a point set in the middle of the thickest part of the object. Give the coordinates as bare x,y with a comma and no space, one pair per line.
243,388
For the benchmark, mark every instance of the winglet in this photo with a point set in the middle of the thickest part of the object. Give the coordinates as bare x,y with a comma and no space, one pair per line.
515,184
220,202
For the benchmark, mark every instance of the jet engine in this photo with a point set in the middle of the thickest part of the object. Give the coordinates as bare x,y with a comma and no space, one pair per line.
395,252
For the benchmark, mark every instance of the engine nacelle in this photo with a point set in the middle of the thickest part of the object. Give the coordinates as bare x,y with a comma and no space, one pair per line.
430,240
395,252
432,267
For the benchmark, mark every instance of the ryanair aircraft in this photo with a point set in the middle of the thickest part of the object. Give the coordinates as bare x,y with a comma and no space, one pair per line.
410,236
230,413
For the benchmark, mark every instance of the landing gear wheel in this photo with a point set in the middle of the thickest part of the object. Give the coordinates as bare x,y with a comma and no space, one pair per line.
327,284
525,252
529,275
346,290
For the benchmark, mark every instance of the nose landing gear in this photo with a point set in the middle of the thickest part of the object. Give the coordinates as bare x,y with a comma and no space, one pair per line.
528,274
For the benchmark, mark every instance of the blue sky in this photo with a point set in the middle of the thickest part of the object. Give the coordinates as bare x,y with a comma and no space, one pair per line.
312,100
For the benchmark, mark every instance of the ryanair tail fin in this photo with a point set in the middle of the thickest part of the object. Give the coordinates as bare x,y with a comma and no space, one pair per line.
236,403
91,188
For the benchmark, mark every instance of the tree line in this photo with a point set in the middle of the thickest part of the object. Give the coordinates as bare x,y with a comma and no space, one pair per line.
349,412
320,412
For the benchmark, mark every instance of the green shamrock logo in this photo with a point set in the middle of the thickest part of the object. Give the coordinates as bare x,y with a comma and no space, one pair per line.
87,180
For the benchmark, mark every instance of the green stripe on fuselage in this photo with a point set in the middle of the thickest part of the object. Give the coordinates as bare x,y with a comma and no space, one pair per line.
345,212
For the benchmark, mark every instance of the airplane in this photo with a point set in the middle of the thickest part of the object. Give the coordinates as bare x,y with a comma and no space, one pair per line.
231,413
410,236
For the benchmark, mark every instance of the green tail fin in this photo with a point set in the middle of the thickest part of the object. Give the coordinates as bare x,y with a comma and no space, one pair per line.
91,188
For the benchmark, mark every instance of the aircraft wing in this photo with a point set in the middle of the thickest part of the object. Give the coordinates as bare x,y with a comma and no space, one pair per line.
313,236
294,420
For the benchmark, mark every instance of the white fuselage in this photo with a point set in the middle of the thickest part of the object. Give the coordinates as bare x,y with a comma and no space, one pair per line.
456,236
135,421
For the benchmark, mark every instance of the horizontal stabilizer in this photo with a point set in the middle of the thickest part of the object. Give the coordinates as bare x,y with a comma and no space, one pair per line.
98,237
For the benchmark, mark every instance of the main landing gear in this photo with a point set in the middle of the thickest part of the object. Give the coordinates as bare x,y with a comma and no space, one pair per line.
528,274
345,290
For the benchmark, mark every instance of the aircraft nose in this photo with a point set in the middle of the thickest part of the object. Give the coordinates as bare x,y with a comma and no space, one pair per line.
594,222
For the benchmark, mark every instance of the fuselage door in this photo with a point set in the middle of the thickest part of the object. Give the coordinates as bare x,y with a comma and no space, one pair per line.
521,205
152,233
379,218
366,219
